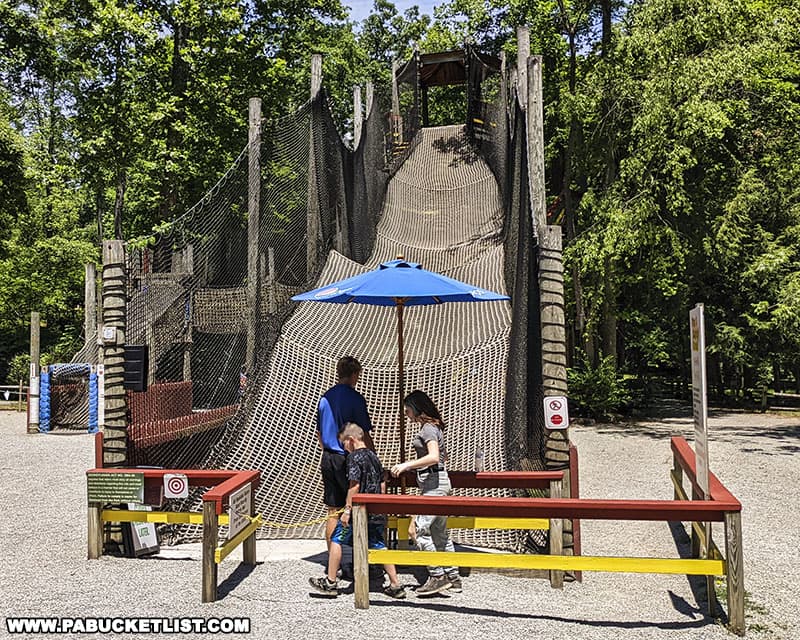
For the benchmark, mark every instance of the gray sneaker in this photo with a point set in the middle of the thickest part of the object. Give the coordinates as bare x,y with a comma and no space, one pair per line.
325,586
455,585
434,584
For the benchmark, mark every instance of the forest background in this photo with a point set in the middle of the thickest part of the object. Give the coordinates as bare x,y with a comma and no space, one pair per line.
672,145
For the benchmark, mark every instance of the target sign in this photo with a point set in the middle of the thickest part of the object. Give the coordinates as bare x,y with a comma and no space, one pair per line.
556,415
176,485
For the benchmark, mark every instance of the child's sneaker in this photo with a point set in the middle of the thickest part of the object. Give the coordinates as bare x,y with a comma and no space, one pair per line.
435,584
397,592
325,586
455,585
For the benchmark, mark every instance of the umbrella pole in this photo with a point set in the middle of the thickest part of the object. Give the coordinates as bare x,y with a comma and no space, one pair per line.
400,381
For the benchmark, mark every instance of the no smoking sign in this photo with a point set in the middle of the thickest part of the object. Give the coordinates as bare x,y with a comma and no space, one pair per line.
556,415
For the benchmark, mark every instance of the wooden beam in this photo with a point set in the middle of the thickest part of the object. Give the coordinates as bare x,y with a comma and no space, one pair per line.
220,553
249,544
90,302
210,532
585,509
115,300
735,558
535,127
563,563
556,539
358,116
493,479
159,517
360,557
685,457
253,230
95,531
523,53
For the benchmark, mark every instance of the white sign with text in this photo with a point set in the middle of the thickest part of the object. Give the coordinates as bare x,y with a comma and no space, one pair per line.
556,414
239,510
697,336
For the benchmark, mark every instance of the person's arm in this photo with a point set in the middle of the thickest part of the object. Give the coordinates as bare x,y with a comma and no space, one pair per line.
348,505
429,459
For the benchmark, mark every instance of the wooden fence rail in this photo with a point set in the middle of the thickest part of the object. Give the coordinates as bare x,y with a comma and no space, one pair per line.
722,507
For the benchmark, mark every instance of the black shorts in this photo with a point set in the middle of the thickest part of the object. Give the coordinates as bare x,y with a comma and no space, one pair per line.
334,479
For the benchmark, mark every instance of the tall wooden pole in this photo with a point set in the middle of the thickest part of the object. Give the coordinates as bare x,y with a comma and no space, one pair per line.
535,124
115,439
33,391
313,213
523,53
90,302
370,98
253,210
358,116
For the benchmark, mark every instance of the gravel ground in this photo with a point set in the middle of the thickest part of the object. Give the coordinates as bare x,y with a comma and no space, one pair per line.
45,571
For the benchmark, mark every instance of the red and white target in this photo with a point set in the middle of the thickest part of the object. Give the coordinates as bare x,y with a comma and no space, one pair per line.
176,485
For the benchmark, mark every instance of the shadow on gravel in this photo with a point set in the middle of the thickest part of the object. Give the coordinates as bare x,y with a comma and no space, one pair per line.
233,580
683,544
491,613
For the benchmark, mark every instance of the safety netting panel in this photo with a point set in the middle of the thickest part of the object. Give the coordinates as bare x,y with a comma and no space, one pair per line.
455,352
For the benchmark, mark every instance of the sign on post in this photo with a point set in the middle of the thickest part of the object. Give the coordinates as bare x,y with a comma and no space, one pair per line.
239,506
556,414
699,402
176,485
115,487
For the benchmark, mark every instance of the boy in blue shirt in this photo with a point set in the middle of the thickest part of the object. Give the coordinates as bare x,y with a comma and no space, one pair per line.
340,404
365,475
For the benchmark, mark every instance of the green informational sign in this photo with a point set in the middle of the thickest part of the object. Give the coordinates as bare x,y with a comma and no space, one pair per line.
115,487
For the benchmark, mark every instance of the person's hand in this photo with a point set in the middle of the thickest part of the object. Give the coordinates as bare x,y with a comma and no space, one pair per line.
400,468
345,517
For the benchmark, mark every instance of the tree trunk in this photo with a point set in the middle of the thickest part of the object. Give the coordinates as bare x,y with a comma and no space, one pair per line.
119,201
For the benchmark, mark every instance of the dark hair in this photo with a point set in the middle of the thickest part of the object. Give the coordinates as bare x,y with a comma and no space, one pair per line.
419,403
347,367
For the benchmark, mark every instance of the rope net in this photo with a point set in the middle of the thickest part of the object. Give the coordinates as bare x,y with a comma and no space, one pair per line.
236,368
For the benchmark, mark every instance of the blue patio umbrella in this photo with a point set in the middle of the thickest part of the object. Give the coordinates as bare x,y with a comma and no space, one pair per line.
399,284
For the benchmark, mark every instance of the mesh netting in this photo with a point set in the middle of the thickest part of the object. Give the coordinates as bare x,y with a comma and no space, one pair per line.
236,368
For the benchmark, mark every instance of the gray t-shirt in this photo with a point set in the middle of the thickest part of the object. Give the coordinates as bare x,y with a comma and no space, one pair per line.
428,433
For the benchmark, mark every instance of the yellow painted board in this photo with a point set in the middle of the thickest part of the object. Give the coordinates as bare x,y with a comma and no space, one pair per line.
222,552
465,522
171,517
565,563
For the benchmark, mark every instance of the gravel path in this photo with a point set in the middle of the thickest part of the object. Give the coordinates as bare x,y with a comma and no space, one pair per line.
45,573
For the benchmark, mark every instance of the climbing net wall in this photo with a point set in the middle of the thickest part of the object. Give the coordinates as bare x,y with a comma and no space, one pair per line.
242,367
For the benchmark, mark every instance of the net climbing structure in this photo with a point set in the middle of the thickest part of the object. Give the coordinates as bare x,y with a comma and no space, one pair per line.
235,369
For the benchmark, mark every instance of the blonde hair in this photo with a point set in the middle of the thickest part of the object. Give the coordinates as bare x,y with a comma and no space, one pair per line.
351,430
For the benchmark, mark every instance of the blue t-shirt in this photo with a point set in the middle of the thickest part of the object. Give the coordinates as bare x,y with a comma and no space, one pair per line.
340,404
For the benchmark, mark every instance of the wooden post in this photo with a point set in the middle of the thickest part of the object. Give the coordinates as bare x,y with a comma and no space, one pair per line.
360,560
556,538
95,531
152,360
358,116
370,98
272,299
523,53
33,384
115,442
90,302
535,126
19,396
554,340
313,212
397,123
425,118
696,545
249,544
210,531
253,206
735,564
677,471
